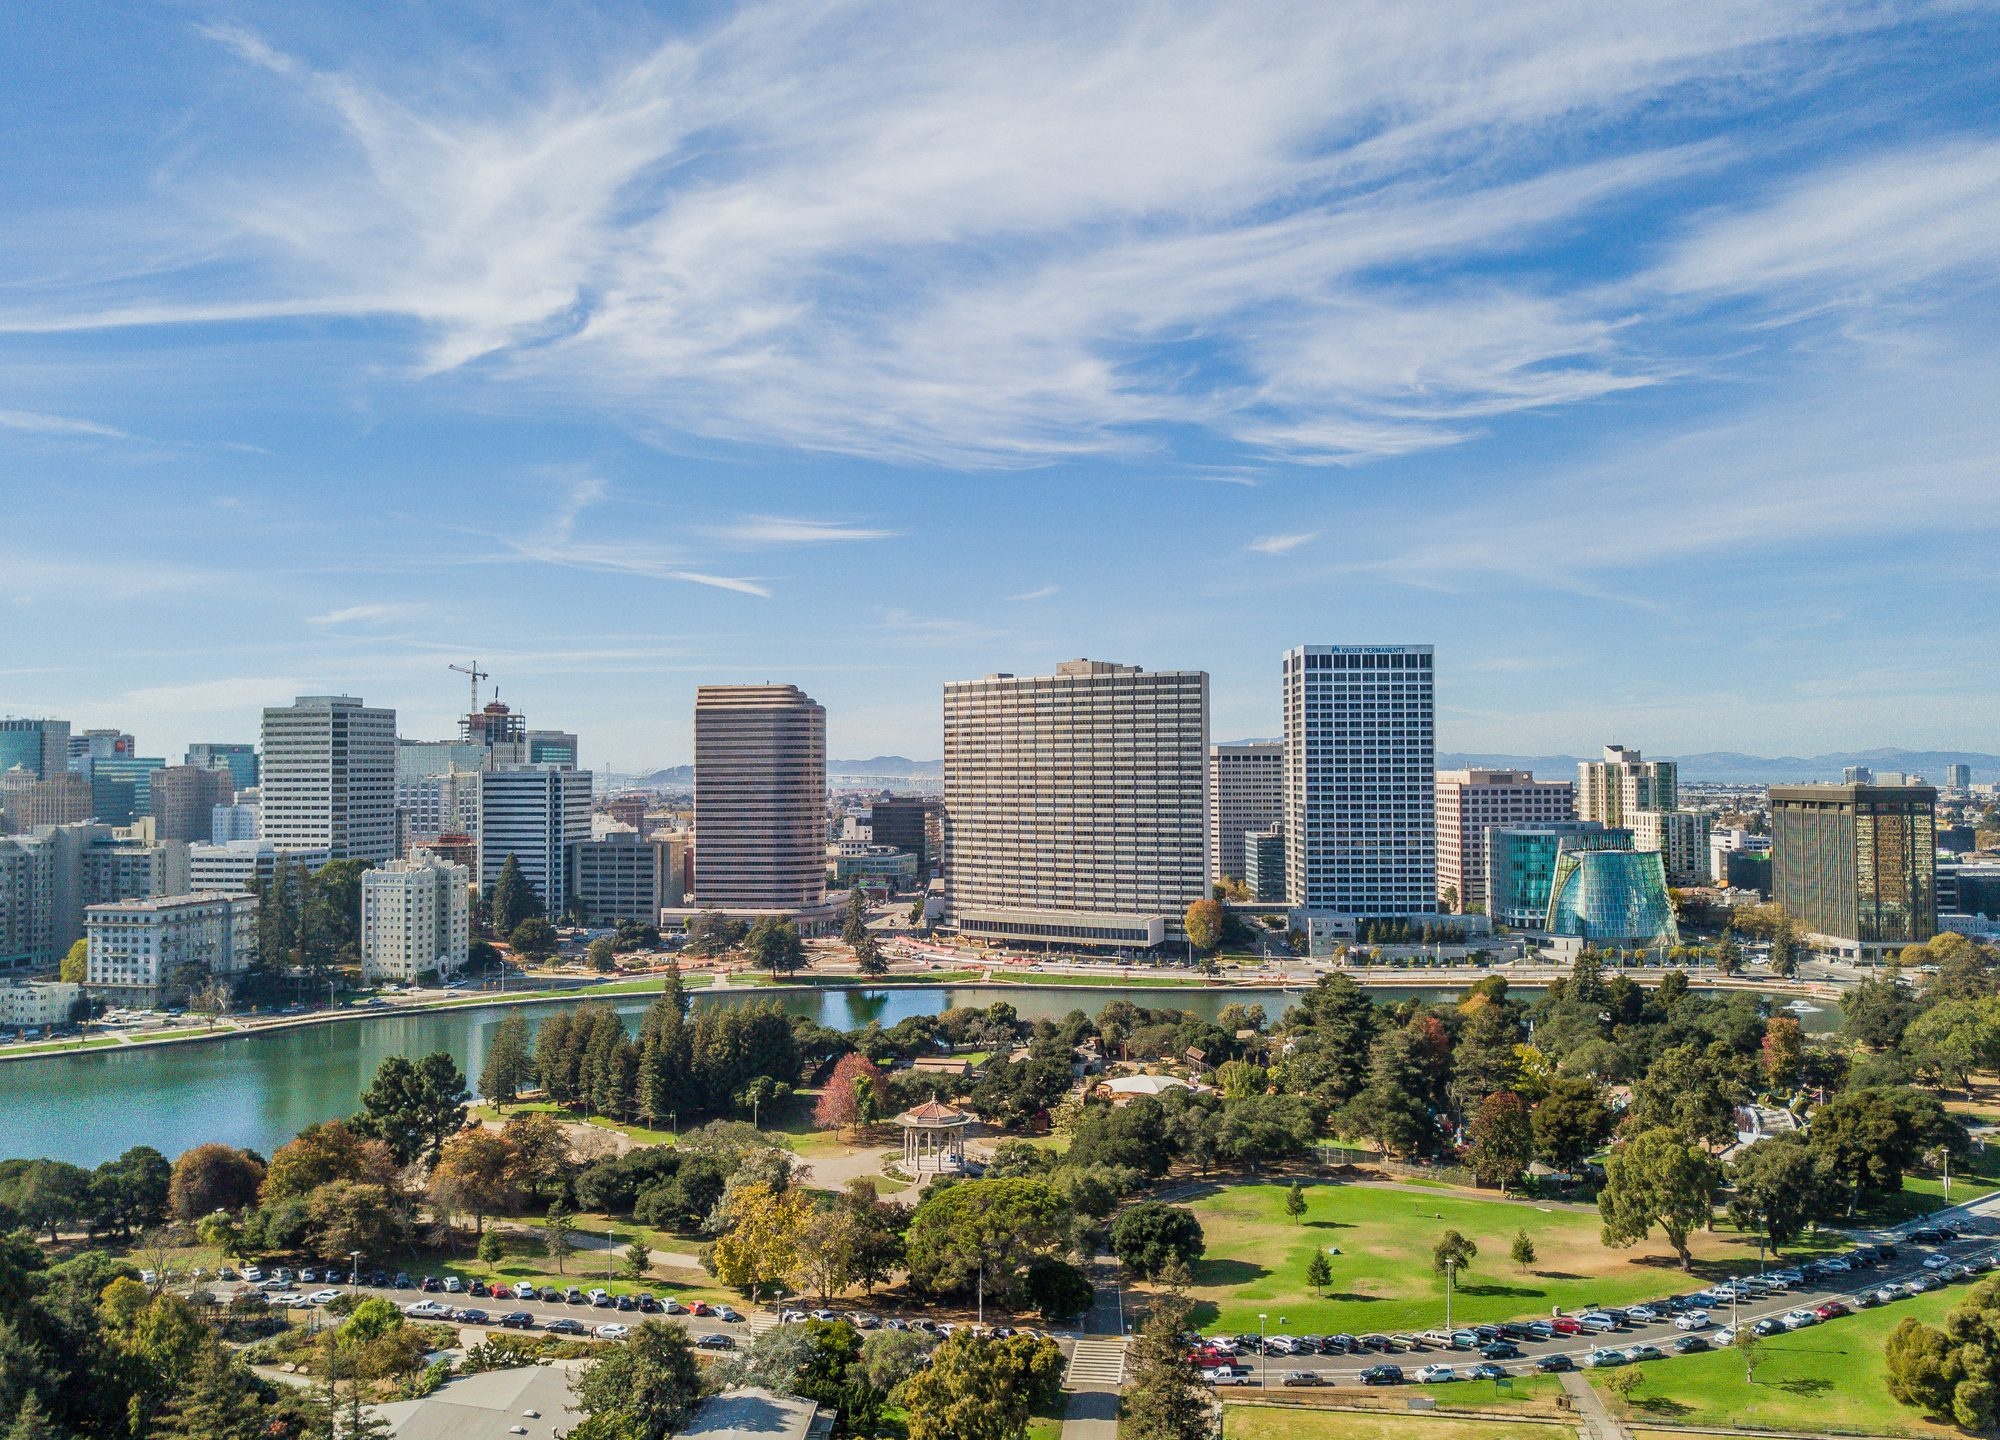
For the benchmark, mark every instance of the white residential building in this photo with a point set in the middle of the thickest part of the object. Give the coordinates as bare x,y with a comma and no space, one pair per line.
1360,772
230,869
33,1004
239,820
95,864
329,777
1246,790
142,946
534,813
1726,840
1679,836
415,918
1076,804
1624,781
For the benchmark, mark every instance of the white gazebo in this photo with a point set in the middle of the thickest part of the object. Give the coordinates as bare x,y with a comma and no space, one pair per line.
933,1137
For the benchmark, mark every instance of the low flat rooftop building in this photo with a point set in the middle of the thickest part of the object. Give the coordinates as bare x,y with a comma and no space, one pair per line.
753,1411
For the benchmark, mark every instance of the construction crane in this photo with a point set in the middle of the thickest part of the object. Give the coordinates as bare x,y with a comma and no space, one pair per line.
477,675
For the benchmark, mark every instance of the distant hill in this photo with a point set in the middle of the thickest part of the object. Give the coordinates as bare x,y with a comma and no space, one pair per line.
1731,767
886,767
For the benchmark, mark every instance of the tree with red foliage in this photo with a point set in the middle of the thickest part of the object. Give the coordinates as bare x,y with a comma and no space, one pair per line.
853,1094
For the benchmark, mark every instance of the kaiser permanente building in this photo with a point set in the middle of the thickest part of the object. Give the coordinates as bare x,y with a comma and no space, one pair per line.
1076,804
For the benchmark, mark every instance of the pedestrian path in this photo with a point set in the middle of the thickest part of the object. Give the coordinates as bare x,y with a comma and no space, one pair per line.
1598,1422
758,1324
1097,1363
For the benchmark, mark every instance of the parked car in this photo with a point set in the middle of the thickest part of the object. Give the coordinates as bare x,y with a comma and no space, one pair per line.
1229,1375
1690,1345
518,1320
572,1296
1541,1330
1487,1370
1435,1374
323,1297
1382,1375
1553,1364
563,1325
1832,1310
426,1310
469,1317
430,1285
728,1314
1566,1325
1457,1339
1603,1359
1637,1354
1799,1319
253,1274
453,1285
599,1297
613,1332
1501,1350
1641,1314
716,1342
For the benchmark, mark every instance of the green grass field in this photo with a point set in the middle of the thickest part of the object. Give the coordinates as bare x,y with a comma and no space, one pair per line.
1272,1422
1825,1377
1382,1278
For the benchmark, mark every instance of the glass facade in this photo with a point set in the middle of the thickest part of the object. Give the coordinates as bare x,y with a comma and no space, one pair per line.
1857,862
1617,896
1521,865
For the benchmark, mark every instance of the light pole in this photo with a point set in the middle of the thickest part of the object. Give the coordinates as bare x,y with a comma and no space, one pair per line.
1449,1267
1263,1356
354,1270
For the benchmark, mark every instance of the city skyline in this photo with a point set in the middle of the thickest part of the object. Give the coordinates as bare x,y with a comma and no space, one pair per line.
1636,363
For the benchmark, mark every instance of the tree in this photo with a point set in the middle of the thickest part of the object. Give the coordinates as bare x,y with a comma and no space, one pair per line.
869,958
1570,1122
994,1228
1319,1274
1865,1139
850,1095
31,1421
1776,1186
644,1389
1146,1235
513,899
1503,1139
761,1244
557,1227
1522,1251
982,1389
1059,1290
218,1401
1657,1178
1295,1202
75,966
1783,1053
1452,1251
1952,1039
1203,922
854,919
1166,1399
509,1066
601,955
1624,1381
1785,948
328,1150
414,1106
213,1177
1728,954
638,1266
533,939
492,1250
889,1357
774,945
477,1171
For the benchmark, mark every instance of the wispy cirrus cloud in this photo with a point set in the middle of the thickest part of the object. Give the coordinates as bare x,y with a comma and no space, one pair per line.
988,236
34,422
373,613
557,543
757,530
1040,592
1282,544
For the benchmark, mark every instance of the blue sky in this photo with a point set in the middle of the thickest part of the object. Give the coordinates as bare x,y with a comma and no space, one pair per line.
1639,358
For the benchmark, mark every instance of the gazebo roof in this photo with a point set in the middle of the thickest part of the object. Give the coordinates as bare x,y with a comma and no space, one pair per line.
933,1114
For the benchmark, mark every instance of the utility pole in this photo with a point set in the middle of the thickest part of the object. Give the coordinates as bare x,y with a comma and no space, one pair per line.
1449,1267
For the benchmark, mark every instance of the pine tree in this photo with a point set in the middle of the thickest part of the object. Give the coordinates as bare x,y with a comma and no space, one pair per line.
1295,1202
217,1402
556,1234
507,1065
32,1422
1319,1274
854,925
1167,1400
1523,1251
514,900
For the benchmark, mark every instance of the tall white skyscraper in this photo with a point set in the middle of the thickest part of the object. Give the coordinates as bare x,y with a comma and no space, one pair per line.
534,813
1360,778
1246,787
329,777
759,799
1076,804
1612,790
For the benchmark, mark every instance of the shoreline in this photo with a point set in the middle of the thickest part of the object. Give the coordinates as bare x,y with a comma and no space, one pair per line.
701,982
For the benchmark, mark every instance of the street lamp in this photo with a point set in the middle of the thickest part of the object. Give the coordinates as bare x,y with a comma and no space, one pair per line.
353,1269
1450,1266
1263,1356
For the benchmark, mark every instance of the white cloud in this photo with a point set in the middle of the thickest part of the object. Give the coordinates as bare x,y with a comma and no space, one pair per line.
557,544
1040,593
1281,544
231,696
370,614
36,423
791,530
982,234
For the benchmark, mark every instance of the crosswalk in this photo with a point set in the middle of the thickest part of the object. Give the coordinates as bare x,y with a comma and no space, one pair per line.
758,1324
1096,1364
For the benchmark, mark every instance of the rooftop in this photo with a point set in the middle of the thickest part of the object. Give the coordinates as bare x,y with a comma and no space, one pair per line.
752,1412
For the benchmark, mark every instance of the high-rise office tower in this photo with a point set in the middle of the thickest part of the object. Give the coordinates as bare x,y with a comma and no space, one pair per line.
1076,804
552,747
759,798
41,746
1609,790
913,824
1472,802
1958,777
415,919
329,777
1360,772
239,759
534,813
93,745
1246,792
1855,865
183,800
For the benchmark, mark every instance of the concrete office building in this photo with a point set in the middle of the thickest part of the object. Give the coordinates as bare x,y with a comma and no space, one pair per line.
40,746
97,864
1857,775
329,777
238,758
1855,865
241,819
1264,864
1678,837
27,903
142,947
1521,865
89,746
759,800
1246,788
234,866
553,747
1725,841
1076,804
27,803
1472,802
1624,781
617,875
1360,793
184,798
1958,777
913,824
861,862
534,813
415,918
446,804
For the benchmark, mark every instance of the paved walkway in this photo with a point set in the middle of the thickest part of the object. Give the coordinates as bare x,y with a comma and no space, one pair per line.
1097,1367
1598,1422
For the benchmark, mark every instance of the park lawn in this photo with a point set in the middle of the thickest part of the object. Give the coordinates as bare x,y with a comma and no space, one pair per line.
1804,1379
1382,1280
46,1047
1273,1422
640,1133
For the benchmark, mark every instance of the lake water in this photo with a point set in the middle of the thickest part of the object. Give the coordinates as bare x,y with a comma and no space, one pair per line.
260,1090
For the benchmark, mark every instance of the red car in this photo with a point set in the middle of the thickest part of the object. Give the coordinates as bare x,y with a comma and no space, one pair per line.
699,1307
1832,1309
1566,1325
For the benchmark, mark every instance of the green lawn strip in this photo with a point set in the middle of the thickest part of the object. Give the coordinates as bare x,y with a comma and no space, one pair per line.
1382,1278
49,1047
1273,1422
1116,982
1825,1377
